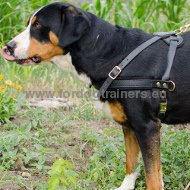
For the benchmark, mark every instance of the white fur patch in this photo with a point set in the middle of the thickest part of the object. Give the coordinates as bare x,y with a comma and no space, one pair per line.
106,109
129,181
98,105
84,78
64,62
162,182
23,42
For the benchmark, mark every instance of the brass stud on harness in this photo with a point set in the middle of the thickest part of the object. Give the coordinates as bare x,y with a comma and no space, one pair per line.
158,84
163,94
165,85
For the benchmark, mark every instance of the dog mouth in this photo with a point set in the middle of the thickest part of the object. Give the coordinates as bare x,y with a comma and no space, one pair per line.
8,54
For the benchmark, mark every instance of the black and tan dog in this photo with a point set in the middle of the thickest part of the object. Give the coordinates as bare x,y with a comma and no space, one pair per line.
96,47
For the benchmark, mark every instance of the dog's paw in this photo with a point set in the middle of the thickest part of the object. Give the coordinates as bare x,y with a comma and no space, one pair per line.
129,181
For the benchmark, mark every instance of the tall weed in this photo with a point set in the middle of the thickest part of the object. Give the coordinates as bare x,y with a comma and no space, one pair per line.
150,15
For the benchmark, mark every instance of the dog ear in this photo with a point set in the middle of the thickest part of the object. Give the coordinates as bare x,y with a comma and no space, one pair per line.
74,24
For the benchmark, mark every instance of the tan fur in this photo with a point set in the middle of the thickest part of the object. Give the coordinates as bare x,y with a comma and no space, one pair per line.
72,10
53,38
153,164
33,19
153,178
132,149
44,50
117,112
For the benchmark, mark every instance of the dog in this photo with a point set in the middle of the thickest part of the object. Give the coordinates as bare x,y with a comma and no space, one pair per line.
96,47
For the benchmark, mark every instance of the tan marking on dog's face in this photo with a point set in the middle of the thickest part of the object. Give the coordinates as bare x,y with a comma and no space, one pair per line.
117,112
72,10
45,51
53,38
29,47
33,19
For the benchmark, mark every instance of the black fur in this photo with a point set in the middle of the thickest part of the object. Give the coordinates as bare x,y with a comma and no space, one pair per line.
96,46
103,46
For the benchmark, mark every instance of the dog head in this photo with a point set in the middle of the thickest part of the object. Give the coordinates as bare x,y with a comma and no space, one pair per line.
50,31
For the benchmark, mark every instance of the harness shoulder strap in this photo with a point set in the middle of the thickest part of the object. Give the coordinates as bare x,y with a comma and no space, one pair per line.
171,56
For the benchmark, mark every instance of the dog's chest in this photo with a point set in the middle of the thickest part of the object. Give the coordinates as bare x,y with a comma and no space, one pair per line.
84,78
113,110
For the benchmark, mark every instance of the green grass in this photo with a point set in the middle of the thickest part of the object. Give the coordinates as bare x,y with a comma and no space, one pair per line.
94,146
37,138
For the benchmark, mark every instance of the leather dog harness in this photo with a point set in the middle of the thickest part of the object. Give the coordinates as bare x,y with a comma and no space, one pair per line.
165,85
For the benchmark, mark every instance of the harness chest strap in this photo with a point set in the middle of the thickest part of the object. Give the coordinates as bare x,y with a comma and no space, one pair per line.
142,84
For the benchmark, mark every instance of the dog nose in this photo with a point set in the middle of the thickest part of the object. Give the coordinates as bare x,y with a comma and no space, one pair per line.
11,46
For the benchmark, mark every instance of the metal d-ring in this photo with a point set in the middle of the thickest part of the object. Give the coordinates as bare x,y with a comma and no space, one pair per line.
173,86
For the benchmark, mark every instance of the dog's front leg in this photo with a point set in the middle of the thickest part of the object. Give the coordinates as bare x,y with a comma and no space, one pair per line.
132,152
149,140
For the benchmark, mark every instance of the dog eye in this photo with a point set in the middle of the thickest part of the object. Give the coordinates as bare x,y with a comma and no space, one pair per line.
36,25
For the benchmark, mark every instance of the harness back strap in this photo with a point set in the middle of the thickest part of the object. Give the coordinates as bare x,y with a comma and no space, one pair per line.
115,72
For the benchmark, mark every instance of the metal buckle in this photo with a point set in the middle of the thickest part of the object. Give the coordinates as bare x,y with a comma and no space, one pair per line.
112,73
163,107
